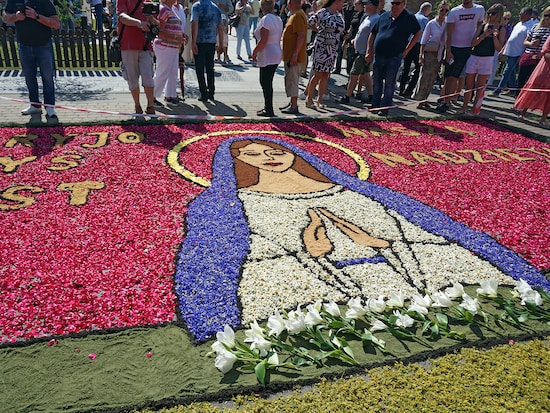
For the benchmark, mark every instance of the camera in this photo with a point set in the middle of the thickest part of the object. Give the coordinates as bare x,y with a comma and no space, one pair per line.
490,27
20,6
152,33
150,9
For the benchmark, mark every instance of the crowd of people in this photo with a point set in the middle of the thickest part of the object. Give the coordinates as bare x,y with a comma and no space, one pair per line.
464,46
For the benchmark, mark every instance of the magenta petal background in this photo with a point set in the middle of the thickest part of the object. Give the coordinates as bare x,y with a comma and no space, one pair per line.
110,262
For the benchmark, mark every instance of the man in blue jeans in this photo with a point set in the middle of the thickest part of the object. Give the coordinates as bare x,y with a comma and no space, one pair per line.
34,20
206,25
391,38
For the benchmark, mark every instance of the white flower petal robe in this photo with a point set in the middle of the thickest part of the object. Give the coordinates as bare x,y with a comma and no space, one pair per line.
279,273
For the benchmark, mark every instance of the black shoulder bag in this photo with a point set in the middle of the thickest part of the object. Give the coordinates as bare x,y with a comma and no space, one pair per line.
114,54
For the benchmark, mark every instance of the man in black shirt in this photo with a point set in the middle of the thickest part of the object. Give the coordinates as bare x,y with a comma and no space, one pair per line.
34,21
393,36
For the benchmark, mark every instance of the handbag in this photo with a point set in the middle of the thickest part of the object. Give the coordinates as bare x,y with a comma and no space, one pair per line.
234,20
114,54
528,59
431,46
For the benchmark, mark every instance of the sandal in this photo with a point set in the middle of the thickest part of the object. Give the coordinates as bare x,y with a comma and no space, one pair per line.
310,105
150,110
138,110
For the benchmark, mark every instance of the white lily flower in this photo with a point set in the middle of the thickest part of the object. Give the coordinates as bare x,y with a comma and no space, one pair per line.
403,320
355,309
333,309
521,287
273,359
377,305
224,361
488,288
276,324
470,304
377,325
456,291
313,317
396,300
425,301
531,296
418,308
441,299
296,321
227,336
256,336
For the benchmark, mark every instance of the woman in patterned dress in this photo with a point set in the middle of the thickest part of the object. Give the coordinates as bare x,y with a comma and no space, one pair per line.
329,24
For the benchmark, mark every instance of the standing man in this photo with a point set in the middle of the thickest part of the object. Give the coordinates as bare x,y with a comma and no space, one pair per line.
294,53
513,51
136,51
391,39
206,24
360,67
406,90
462,24
33,24
97,8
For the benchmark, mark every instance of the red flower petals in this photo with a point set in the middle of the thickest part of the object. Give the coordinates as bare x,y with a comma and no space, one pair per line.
91,227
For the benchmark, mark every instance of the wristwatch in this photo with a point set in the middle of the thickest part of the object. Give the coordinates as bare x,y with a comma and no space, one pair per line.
37,16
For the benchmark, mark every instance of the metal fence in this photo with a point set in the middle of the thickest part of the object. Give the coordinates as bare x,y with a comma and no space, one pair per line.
81,49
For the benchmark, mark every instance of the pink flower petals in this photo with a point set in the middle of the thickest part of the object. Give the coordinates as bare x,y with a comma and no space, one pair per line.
109,263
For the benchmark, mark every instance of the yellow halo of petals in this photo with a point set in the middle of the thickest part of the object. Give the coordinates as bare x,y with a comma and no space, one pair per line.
363,170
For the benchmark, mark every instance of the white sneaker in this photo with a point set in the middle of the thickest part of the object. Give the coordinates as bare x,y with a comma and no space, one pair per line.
50,112
31,110
302,96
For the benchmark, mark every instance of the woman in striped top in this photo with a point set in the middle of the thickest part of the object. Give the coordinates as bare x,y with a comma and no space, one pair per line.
166,47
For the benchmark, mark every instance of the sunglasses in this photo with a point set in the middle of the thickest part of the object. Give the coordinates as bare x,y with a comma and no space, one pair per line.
396,3
492,13
444,10
546,15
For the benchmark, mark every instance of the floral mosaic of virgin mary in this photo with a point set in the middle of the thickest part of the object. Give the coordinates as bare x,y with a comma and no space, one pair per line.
280,227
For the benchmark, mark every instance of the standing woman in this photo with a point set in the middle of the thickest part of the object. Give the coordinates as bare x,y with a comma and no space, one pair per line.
166,47
431,53
533,47
329,25
539,79
489,38
243,9
268,52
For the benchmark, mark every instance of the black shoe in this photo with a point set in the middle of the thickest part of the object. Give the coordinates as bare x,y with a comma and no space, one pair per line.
265,113
367,100
442,108
285,107
211,96
383,112
344,99
203,98
290,110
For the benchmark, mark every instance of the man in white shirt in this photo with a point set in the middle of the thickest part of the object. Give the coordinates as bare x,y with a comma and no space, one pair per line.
513,50
462,24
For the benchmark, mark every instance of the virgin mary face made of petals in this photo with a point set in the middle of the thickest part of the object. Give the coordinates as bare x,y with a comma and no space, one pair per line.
266,158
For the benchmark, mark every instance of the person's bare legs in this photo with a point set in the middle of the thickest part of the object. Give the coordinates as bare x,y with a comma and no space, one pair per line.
323,84
135,96
149,93
469,83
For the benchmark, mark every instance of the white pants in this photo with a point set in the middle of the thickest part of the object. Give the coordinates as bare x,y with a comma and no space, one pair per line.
166,74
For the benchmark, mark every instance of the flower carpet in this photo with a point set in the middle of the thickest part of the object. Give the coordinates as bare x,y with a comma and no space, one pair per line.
126,248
